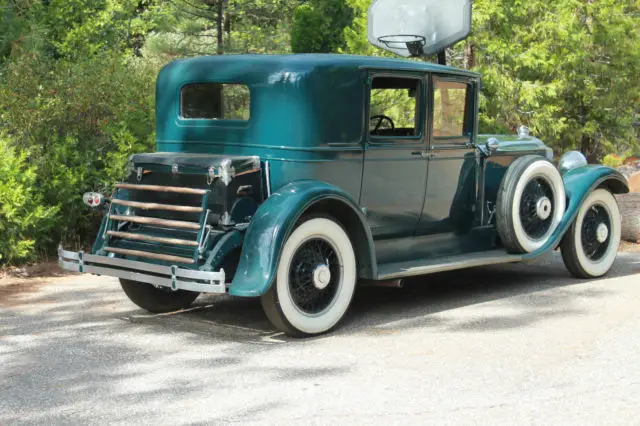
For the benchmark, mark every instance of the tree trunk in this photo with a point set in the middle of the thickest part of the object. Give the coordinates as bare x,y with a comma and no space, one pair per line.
629,205
220,24
589,148
469,56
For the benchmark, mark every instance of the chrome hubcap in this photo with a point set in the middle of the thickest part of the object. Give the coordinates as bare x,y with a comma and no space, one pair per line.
321,277
602,232
543,208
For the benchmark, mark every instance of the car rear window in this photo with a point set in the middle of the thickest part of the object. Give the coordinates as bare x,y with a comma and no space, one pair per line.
215,101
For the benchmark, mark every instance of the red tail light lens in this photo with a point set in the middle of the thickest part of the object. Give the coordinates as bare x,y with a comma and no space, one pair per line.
92,199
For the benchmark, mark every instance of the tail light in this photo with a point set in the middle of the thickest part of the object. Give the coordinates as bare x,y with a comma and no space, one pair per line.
93,199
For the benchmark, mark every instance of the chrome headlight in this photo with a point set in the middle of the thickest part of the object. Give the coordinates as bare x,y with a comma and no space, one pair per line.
571,160
523,131
548,152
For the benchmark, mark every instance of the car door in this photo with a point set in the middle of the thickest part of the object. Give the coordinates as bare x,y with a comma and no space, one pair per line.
451,182
395,166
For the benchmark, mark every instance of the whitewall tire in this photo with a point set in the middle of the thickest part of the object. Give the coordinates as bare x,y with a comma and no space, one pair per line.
315,281
530,205
590,246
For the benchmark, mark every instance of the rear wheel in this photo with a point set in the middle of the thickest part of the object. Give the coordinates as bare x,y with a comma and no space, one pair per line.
157,300
315,280
590,246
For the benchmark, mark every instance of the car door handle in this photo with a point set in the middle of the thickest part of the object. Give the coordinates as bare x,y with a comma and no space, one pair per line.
425,154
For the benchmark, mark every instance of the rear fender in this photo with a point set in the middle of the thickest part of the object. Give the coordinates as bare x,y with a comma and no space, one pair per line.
578,184
275,220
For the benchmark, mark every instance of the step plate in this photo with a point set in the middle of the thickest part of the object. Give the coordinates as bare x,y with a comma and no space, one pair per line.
431,266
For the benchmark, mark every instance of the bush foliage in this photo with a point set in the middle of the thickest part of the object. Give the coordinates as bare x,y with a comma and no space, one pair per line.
24,219
75,124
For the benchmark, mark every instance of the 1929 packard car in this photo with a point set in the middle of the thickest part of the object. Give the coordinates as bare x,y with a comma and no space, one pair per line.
292,178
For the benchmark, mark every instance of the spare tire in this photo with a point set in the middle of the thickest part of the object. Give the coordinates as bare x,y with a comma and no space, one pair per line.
530,205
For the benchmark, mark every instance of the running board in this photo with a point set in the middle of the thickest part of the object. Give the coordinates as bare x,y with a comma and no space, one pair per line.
431,266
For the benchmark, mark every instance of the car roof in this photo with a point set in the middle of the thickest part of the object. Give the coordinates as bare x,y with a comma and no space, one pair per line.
317,61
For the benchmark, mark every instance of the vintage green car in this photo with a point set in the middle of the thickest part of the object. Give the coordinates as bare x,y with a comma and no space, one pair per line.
293,178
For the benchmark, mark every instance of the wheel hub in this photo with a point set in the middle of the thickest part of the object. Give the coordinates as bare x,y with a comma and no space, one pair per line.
543,208
321,277
602,232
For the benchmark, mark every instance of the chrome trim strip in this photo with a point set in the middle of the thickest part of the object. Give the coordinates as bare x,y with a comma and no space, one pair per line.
267,172
124,263
167,276
450,265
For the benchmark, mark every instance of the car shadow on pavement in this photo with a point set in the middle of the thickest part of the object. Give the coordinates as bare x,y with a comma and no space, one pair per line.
379,310
527,292
66,353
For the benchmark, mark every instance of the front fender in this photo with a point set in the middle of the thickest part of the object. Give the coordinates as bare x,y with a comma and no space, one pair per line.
272,224
578,184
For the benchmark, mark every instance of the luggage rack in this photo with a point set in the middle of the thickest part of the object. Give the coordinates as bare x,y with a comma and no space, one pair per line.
201,228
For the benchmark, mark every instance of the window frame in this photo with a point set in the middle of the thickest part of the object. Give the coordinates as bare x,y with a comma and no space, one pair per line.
468,126
230,121
421,104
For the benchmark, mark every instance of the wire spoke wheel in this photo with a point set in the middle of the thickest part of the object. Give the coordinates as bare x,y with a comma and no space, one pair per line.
595,232
314,276
590,246
530,204
536,208
315,279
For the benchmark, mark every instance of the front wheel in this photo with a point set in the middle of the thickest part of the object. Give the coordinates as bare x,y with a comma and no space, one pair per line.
590,246
157,300
315,280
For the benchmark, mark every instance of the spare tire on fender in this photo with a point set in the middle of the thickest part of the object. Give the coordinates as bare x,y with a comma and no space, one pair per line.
530,205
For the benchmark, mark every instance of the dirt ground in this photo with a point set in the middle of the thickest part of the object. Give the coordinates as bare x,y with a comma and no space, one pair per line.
29,278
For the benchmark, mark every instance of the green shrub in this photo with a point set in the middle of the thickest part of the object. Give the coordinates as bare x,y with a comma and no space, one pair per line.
79,121
612,160
23,217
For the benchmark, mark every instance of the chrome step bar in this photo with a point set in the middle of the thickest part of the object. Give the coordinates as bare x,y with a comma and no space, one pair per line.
155,221
158,188
173,277
151,238
150,255
431,266
156,206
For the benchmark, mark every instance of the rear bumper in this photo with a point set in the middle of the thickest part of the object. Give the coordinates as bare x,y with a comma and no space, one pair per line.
172,277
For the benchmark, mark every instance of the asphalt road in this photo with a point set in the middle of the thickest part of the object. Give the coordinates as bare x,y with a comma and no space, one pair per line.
511,344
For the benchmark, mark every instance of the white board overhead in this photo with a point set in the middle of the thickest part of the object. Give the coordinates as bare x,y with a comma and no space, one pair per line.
418,27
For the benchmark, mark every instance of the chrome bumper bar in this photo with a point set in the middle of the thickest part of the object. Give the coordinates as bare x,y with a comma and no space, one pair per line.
172,277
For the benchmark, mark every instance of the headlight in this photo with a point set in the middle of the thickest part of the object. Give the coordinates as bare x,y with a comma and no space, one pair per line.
549,153
571,160
523,131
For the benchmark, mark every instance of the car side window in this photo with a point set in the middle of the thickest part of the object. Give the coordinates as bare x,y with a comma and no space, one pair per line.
450,101
394,107
215,101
